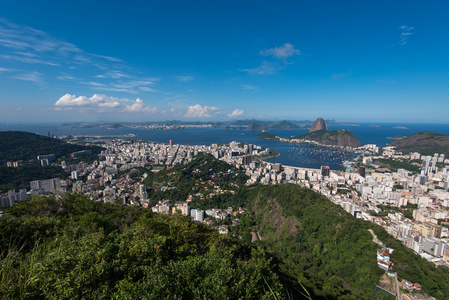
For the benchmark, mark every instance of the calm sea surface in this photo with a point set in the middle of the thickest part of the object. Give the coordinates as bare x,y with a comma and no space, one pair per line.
307,156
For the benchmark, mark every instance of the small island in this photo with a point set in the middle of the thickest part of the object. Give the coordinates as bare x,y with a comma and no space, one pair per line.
397,137
400,127
267,136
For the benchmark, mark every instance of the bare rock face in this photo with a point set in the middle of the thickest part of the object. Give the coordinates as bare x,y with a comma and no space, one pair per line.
319,124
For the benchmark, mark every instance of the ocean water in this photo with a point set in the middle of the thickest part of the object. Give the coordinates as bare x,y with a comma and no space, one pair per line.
307,156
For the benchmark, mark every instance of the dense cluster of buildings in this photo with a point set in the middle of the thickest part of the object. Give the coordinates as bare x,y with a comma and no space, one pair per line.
376,194
366,191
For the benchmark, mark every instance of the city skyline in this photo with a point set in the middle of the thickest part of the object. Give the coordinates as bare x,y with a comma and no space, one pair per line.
218,61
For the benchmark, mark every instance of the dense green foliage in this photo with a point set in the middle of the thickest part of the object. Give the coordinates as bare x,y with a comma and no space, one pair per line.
331,255
267,135
316,243
340,137
20,177
199,176
71,247
17,145
329,251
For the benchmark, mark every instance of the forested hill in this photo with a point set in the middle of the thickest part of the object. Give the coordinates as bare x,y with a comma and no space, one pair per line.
330,252
340,137
426,143
18,145
73,248
316,242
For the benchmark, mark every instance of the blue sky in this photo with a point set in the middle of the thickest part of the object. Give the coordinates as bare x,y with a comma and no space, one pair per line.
372,61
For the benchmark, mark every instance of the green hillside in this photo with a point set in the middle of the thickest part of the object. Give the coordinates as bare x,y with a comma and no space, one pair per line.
74,248
315,242
426,143
18,145
25,146
340,137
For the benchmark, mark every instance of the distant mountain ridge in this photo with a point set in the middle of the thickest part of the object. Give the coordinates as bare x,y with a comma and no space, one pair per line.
285,125
426,143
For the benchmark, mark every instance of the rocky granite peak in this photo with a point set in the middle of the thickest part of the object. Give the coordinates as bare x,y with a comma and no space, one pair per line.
319,124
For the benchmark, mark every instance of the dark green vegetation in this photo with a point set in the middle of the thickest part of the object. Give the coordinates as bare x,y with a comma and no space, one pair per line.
73,248
19,178
426,143
316,243
395,164
341,137
25,146
18,145
332,255
267,136
198,177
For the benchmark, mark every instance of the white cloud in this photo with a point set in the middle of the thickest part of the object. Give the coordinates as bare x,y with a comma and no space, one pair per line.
146,89
29,39
139,106
265,68
185,78
26,54
96,101
65,77
29,45
114,74
114,59
236,113
32,76
406,31
250,87
112,89
103,103
283,52
130,86
30,60
4,70
280,55
202,112
135,83
93,83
